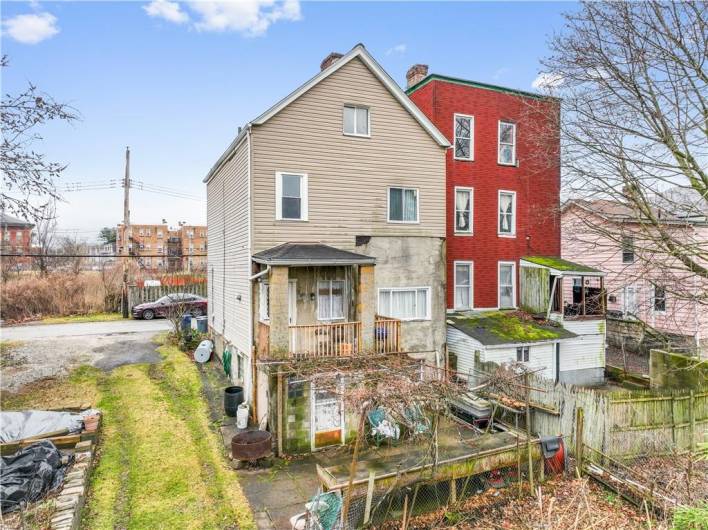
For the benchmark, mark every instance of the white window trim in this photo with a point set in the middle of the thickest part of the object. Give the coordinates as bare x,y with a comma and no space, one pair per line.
513,283
471,286
454,137
653,301
392,289
454,212
279,192
388,205
368,120
262,293
513,214
513,151
344,300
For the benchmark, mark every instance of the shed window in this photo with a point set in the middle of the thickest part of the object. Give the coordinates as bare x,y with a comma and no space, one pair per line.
356,120
464,137
522,354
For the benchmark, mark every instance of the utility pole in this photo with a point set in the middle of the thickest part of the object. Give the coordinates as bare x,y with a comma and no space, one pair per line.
126,229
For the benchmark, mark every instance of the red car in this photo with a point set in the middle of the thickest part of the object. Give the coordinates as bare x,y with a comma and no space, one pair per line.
170,304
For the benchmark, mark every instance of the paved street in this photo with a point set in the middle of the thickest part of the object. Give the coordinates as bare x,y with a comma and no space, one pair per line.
39,351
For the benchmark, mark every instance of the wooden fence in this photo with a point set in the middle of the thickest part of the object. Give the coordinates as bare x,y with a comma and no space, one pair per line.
622,424
138,295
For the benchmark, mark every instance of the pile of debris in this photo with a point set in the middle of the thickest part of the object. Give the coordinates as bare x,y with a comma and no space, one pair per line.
46,455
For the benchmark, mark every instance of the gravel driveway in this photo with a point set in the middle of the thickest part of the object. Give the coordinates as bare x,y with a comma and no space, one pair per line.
41,351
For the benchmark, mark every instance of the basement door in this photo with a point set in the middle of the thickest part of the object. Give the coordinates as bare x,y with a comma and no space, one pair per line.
327,421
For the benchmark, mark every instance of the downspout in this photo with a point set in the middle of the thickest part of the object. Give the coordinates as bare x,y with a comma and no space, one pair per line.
259,274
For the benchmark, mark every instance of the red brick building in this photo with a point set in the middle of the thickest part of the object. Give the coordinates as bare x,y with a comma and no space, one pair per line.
503,183
15,235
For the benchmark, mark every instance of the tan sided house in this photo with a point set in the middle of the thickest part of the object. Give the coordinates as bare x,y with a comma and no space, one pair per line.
326,221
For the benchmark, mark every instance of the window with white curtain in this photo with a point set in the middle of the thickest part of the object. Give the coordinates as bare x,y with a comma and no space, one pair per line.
507,143
330,300
507,284
464,137
507,213
403,205
463,285
356,120
463,210
405,303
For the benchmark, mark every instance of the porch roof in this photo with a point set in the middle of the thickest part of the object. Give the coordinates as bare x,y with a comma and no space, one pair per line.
495,328
310,254
560,267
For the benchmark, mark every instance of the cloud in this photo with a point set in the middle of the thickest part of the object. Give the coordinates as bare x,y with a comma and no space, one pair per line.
398,48
31,28
501,72
547,81
248,17
170,11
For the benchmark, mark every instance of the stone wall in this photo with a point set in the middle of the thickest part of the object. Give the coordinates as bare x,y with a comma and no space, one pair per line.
673,370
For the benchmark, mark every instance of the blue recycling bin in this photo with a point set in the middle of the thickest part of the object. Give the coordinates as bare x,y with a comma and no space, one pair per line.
186,324
202,324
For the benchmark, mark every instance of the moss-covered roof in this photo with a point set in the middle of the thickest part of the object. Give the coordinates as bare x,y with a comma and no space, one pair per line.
506,327
559,264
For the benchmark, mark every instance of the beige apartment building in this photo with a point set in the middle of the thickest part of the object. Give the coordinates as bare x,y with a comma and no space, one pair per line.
162,248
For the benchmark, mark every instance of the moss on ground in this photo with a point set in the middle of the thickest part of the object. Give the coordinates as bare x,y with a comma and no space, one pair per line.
76,319
161,465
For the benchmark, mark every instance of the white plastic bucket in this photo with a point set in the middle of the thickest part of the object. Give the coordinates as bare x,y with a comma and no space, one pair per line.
242,416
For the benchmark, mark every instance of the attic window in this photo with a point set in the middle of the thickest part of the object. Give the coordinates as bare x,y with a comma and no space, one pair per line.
356,120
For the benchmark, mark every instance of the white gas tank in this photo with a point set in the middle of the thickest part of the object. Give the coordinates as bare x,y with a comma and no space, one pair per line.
242,416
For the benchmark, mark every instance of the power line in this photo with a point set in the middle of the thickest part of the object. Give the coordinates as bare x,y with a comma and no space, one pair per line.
100,256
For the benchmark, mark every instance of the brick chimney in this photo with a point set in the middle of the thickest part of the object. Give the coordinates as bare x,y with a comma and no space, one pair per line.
416,73
330,59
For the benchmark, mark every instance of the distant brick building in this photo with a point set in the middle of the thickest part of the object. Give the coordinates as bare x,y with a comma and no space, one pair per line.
503,199
15,237
160,247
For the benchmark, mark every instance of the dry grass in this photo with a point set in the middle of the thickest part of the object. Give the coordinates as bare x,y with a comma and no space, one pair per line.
75,319
32,297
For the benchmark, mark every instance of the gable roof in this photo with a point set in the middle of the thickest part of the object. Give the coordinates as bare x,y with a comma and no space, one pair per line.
8,220
360,52
310,254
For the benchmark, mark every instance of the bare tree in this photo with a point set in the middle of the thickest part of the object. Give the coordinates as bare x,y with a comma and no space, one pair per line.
72,249
634,130
45,230
27,177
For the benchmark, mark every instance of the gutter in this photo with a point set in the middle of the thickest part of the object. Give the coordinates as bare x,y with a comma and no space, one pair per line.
246,129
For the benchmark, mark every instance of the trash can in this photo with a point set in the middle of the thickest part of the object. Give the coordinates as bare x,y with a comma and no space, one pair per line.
202,324
186,323
233,397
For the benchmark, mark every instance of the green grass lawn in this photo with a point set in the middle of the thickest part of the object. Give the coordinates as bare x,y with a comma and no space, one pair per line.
161,462
74,319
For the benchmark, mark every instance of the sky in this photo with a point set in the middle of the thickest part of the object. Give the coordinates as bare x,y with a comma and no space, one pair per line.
175,80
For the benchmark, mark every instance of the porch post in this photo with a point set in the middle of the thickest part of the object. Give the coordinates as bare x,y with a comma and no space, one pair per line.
278,311
366,306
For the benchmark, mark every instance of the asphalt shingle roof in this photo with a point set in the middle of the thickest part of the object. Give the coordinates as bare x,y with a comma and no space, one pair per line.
310,254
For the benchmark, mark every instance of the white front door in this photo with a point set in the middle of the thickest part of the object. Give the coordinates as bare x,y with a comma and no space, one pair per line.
631,300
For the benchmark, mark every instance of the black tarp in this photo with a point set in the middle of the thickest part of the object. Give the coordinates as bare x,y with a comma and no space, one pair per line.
29,475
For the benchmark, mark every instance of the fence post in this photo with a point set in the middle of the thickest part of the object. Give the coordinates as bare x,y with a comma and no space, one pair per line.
673,420
579,420
692,421
369,497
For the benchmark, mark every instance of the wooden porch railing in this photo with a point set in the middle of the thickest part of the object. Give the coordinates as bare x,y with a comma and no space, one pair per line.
387,335
325,340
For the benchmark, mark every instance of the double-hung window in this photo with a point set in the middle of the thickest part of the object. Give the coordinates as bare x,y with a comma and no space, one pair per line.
507,213
522,354
463,285
356,120
507,284
627,249
464,198
507,143
330,300
464,137
403,205
291,196
405,303
659,299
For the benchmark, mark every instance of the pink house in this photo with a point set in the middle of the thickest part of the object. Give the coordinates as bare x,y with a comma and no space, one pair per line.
642,282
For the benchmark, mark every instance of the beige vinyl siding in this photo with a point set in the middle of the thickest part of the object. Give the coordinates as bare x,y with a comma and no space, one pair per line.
228,250
348,176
